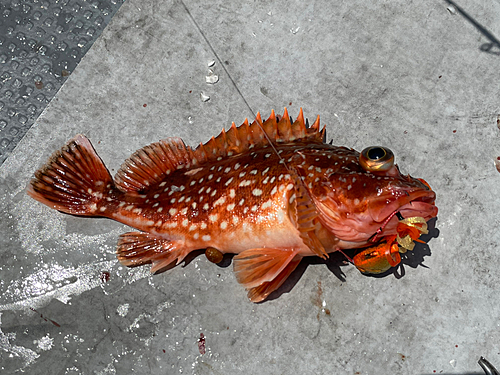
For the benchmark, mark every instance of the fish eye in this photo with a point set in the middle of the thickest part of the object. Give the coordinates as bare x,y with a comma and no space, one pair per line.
376,159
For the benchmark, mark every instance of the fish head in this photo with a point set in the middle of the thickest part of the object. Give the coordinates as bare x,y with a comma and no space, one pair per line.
368,194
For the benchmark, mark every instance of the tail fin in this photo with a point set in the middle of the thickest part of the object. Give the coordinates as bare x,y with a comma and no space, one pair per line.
73,181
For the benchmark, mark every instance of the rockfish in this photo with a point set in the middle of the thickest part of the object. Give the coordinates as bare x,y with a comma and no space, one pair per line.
271,192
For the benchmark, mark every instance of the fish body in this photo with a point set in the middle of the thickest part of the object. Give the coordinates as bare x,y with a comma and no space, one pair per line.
271,192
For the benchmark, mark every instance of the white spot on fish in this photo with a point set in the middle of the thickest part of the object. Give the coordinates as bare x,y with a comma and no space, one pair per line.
232,193
128,208
245,210
196,236
257,192
245,183
163,184
184,211
206,237
172,200
172,211
274,191
236,166
267,155
267,204
156,196
193,171
242,174
203,225
228,181
292,198
206,206
160,209
265,171
137,210
223,225
230,207
235,220
192,183
227,170
349,187
289,187
213,218
218,179
192,227
254,208
254,171
242,201
193,205
210,176
185,222
201,190
221,200
356,201
265,180
102,209
172,224
213,192
156,204
273,179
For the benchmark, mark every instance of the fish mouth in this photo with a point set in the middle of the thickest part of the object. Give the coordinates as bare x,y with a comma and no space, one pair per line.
417,203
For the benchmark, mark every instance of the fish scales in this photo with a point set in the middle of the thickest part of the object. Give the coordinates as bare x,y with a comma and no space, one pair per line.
237,193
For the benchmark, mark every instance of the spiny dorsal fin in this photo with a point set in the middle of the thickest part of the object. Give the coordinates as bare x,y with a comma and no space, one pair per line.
238,140
151,164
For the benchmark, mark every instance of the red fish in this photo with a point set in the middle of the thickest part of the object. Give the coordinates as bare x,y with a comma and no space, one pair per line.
271,192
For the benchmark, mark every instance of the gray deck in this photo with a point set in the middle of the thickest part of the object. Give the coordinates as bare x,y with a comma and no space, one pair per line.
418,78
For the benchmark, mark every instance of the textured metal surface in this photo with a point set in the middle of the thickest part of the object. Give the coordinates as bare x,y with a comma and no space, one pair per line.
41,43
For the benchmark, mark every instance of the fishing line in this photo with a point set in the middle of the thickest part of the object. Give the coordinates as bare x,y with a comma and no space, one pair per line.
233,83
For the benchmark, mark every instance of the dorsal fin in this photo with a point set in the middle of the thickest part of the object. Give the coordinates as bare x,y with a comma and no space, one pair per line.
240,139
151,164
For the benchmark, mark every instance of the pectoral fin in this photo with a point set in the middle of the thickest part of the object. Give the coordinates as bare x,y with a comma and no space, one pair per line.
261,271
136,248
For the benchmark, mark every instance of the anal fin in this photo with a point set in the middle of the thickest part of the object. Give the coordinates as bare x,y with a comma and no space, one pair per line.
136,248
261,271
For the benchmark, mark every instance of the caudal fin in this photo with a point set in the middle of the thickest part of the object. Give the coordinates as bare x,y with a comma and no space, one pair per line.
73,181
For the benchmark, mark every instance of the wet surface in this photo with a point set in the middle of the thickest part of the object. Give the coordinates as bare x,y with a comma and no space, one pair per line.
413,78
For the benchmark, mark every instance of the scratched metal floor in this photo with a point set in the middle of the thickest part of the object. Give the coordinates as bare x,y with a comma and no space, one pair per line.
420,78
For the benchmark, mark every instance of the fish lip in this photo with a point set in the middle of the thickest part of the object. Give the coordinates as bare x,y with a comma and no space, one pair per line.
414,203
